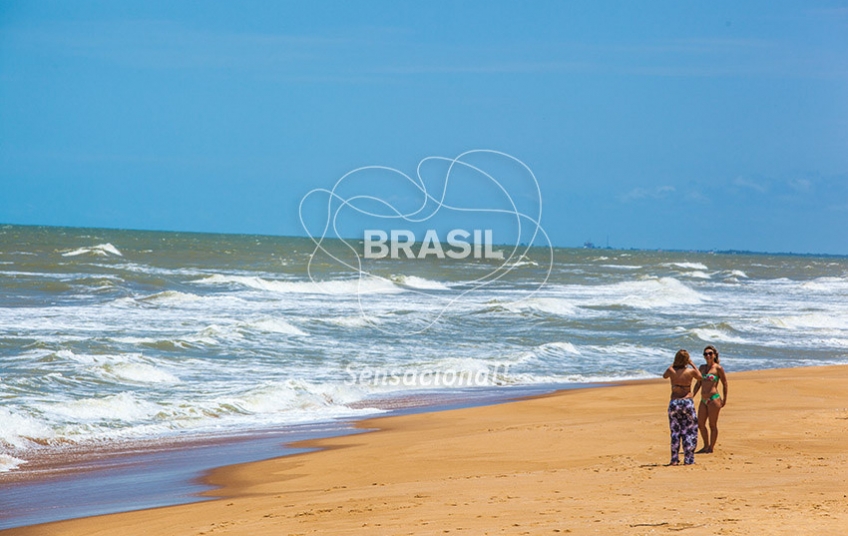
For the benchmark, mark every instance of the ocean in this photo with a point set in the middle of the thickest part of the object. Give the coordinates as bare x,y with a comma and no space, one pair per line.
110,337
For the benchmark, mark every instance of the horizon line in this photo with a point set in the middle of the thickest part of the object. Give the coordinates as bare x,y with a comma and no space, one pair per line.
730,251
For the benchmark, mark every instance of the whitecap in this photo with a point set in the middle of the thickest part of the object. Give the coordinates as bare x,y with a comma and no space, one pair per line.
647,293
556,306
274,325
170,297
622,266
717,335
421,283
140,373
19,430
353,287
7,463
698,274
100,250
118,407
358,321
560,348
687,265
815,321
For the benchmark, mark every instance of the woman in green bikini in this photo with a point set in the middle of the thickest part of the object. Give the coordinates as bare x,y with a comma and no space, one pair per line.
711,401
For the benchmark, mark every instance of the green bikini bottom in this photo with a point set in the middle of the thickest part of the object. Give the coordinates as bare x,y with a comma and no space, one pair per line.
710,399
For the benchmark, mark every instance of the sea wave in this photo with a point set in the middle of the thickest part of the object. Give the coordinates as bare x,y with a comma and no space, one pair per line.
19,431
687,265
554,306
7,463
647,293
623,266
354,321
170,297
273,325
138,373
421,283
698,274
810,321
713,335
351,287
100,250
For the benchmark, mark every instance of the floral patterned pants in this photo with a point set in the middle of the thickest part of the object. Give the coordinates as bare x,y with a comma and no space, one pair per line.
684,426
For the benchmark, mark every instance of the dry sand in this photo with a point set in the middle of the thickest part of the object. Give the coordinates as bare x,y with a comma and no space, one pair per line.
589,461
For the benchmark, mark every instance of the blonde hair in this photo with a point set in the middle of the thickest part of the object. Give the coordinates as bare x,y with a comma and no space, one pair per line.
681,359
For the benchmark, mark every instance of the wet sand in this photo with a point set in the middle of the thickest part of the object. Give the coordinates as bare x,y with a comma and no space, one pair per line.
587,461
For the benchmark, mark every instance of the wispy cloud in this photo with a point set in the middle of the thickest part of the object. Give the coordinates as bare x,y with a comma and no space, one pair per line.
639,193
750,184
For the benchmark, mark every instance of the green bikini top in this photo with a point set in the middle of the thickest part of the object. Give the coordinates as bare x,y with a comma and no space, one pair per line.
712,377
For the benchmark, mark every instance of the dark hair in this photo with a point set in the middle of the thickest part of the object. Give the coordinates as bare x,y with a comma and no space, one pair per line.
715,351
681,359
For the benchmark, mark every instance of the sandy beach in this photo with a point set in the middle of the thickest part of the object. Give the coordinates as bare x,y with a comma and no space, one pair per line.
589,461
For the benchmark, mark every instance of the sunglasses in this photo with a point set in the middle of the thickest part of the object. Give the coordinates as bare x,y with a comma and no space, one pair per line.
709,353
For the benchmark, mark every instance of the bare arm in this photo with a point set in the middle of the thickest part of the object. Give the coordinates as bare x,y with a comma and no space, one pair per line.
698,384
696,373
723,378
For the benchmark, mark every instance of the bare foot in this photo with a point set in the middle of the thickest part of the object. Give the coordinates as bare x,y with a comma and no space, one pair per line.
704,450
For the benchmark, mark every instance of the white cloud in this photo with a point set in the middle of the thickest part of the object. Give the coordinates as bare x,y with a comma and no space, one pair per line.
640,193
751,184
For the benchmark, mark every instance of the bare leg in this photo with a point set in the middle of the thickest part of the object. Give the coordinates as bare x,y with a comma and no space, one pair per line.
702,426
714,409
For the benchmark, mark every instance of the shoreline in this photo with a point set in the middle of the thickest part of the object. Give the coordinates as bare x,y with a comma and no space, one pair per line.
86,480
550,463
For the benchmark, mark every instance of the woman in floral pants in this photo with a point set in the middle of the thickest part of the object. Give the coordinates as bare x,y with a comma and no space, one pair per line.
682,419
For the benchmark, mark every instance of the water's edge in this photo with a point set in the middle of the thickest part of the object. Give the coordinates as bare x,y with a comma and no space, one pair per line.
123,478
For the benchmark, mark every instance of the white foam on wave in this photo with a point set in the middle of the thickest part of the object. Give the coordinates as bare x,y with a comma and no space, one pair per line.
522,262
623,266
121,368
358,321
140,373
170,297
718,335
593,355
353,287
647,293
124,406
19,431
100,250
213,333
836,285
274,325
698,274
421,283
556,306
566,348
810,321
7,463
687,265
293,397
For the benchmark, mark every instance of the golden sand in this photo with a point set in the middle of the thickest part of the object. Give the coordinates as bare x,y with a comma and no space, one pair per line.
589,461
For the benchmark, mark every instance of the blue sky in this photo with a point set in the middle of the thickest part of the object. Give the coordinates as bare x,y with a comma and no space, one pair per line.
673,125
